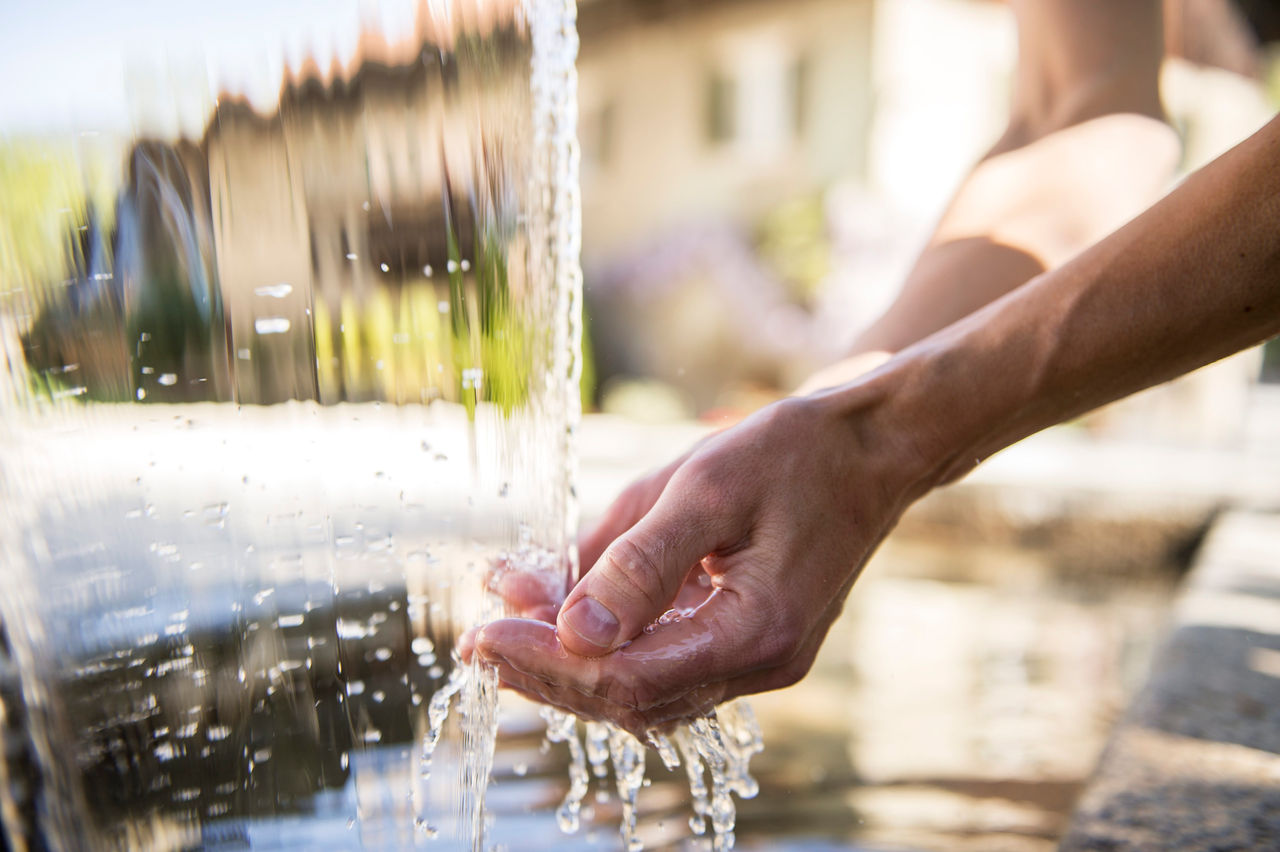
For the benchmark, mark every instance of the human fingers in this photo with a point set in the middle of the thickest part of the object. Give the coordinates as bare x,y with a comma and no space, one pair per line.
538,674
628,507
789,670
467,644
721,640
532,594
568,699
640,572
637,721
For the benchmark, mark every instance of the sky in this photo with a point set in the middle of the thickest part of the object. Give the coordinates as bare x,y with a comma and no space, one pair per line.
156,65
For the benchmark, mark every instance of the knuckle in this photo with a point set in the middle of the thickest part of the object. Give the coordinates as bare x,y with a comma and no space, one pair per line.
708,484
634,500
634,574
787,414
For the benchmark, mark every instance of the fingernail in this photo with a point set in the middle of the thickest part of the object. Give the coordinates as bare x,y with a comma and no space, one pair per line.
593,623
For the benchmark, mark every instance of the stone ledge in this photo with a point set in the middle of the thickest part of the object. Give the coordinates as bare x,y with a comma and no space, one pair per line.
1195,764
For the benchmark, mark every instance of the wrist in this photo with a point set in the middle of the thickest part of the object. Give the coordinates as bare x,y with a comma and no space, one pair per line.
899,446
924,419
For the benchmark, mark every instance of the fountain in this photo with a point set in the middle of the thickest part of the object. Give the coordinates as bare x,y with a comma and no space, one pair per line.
280,384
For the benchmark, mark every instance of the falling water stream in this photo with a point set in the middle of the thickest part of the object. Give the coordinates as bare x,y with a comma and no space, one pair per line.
288,361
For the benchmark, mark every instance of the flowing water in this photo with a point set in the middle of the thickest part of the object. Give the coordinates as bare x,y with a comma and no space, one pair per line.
288,361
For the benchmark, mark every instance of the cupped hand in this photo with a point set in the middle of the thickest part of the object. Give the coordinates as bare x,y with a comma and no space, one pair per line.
780,512
538,595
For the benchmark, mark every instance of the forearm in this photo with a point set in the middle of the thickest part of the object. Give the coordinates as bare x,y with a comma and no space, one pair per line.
1085,150
1193,279
1023,212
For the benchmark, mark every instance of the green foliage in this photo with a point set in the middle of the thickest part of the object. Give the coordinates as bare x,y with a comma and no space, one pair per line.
473,346
792,241
465,339
47,189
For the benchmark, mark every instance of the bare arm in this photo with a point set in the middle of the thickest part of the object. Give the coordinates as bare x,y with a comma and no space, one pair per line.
783,510
1194,279
1085,150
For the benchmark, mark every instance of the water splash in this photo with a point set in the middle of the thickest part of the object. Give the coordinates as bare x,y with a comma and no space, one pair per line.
562,728
717,748
215,602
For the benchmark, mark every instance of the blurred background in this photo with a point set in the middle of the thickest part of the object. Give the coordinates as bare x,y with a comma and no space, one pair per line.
756,180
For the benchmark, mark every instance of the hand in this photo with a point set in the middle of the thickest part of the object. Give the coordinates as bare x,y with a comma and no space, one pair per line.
780,512
538,596
843,371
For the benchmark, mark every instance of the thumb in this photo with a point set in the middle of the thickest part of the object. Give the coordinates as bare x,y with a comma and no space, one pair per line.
637,577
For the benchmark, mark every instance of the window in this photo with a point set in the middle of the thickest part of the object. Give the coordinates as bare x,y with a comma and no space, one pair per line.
721,117
798,92
596,133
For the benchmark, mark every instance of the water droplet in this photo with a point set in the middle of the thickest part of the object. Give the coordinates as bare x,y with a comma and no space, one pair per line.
271,325
384,267
167,379
274,291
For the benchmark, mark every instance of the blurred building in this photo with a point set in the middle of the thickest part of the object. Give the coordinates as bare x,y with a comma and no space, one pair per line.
756,179
718,110
697,122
